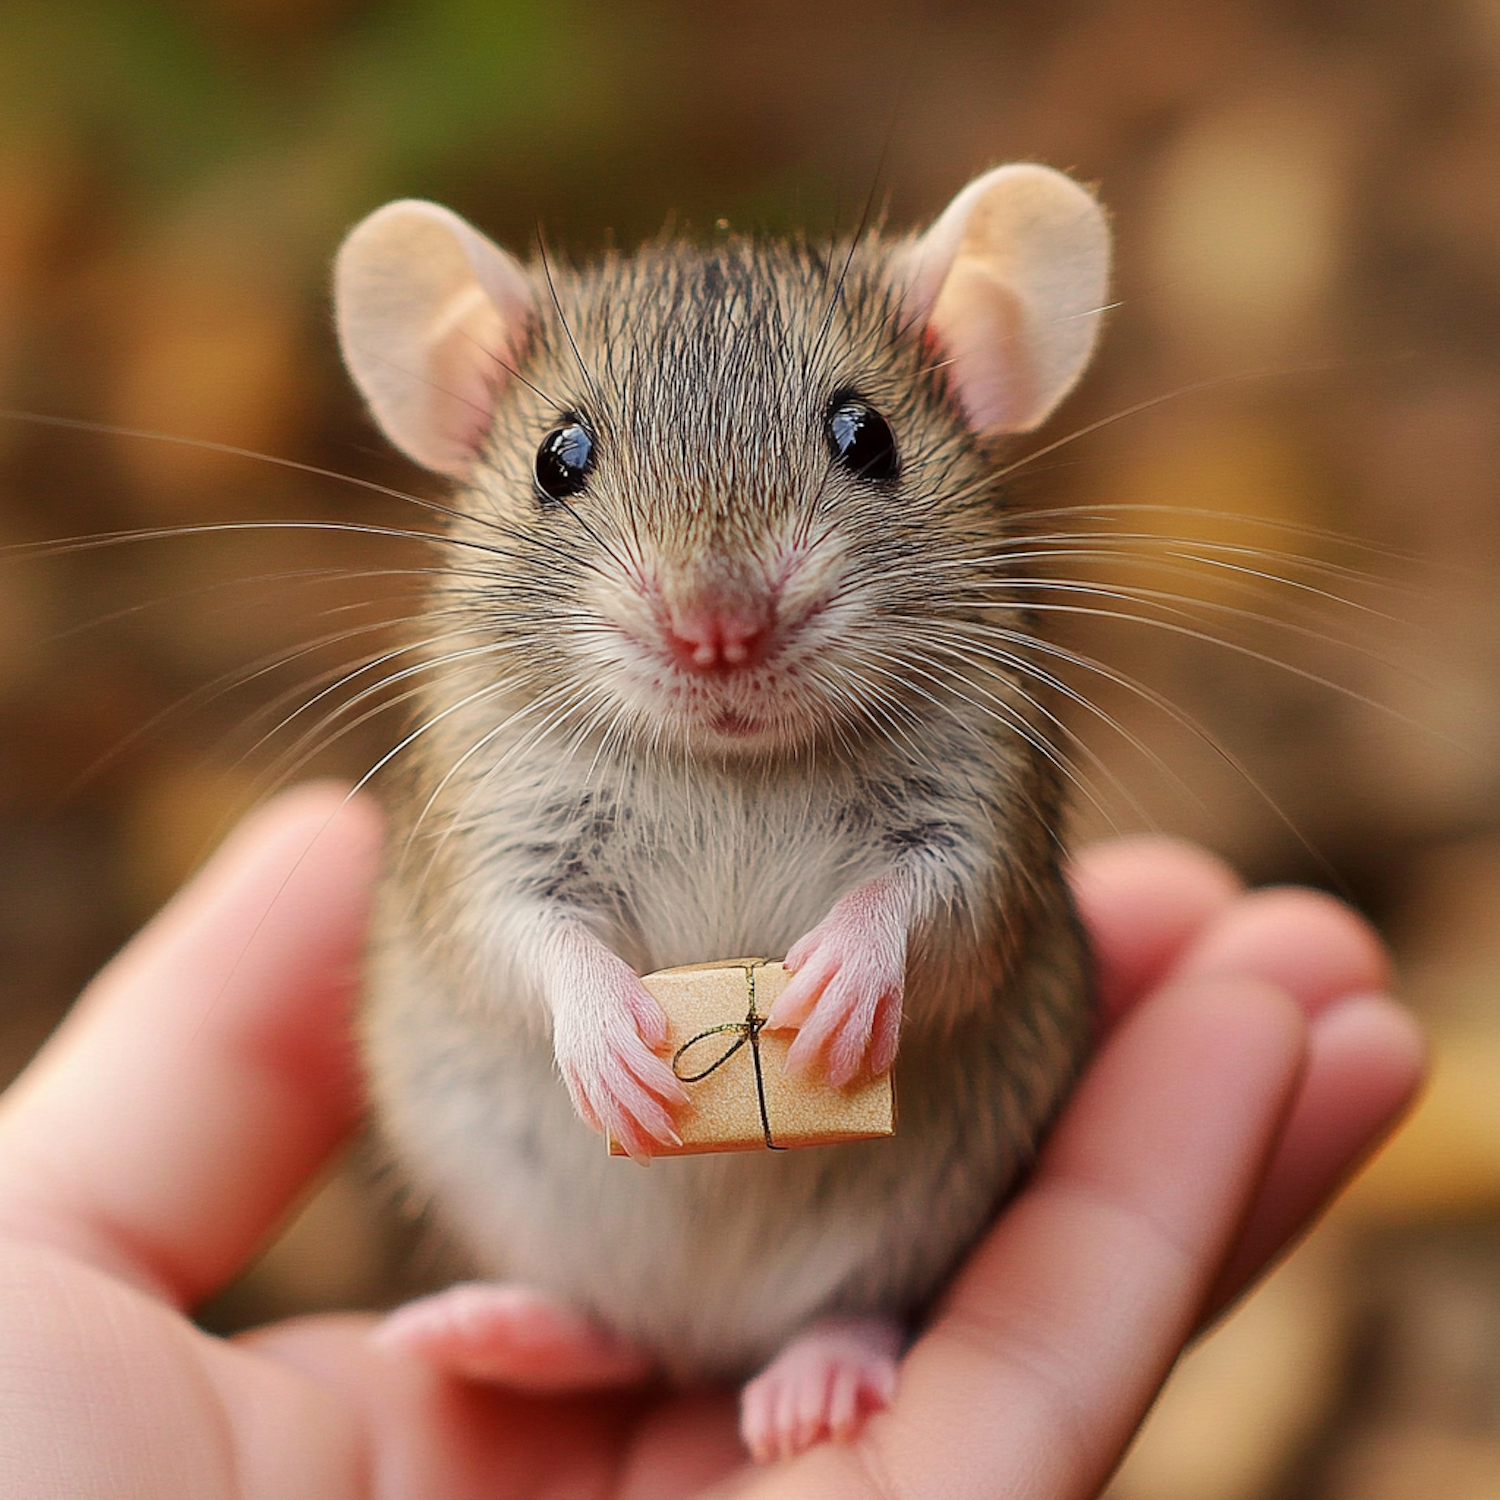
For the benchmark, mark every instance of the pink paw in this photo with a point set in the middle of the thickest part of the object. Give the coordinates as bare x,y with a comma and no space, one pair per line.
845,995
822,1385
509,1335
604,1026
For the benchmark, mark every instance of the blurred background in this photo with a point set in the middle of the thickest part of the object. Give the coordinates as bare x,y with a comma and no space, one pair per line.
1291,506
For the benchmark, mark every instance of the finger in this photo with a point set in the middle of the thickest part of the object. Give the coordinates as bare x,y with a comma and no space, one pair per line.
644,1111
625,1112
208,1071
1060,1329
1365,1066
887,1039
1364,1063
1312,946
1143,900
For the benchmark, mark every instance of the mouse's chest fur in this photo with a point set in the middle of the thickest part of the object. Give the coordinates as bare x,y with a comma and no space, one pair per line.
674,862
681,866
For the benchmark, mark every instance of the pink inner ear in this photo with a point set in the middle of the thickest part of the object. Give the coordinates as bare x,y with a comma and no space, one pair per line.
981,327
466,367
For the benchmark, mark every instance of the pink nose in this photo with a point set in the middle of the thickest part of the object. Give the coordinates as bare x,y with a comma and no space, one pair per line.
706,640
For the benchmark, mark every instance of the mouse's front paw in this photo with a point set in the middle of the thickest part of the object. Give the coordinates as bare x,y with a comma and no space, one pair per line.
844,998
602,1035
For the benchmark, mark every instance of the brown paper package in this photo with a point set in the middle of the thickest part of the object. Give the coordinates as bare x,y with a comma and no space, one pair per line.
726,1112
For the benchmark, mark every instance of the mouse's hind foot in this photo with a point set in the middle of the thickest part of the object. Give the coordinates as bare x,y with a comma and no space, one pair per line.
822,1385
510,1335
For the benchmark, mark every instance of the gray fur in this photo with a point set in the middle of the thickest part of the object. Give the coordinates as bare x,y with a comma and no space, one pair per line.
559,778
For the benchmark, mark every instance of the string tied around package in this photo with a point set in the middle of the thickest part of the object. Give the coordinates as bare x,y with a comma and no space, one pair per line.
746,1033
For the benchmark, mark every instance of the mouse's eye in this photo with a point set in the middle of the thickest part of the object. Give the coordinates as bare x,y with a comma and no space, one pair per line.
862,441
563,461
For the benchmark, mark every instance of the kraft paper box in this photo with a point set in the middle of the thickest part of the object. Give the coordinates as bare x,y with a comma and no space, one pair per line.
710,1046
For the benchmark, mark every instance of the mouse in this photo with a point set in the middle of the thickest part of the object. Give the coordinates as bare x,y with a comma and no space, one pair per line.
723,655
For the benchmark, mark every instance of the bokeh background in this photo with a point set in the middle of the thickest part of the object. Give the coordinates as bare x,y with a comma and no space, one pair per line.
1291,506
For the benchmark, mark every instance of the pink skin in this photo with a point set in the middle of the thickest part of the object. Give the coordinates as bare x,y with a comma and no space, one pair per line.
845,996
707,639
604,1026
187,1104
511,1336
822,1385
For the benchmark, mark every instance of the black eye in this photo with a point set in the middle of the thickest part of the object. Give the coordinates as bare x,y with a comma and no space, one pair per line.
563,461
862,441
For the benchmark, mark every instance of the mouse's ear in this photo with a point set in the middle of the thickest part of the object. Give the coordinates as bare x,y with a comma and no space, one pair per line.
430,314
1010,284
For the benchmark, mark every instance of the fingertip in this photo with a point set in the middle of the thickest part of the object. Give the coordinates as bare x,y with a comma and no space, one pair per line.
1142,900
779,1020
1367,1060
324,819
792,1006
666,1086
1377,1023
1379,1048
1307,942
1118,868
841,1070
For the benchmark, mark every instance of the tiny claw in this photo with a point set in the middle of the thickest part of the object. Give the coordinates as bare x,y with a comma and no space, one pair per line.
650,1019
800,1057
797,955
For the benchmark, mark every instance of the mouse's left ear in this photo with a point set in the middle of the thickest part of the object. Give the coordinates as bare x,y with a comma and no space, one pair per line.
432,318
1010,285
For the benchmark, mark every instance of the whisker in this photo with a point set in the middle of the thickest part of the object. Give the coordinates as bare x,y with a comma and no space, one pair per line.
227,682
1019,663
1192,388
230,450
1001,711
1239,649
596,394
1183,606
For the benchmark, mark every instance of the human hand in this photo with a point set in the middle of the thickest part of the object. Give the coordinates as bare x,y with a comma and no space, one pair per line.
208,1073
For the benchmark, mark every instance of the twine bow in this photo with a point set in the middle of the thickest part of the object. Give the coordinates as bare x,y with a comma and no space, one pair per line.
744,1032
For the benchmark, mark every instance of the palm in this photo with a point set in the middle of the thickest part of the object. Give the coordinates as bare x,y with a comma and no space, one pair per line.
206,1076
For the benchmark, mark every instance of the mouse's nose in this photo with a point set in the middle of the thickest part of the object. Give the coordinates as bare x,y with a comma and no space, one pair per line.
709,638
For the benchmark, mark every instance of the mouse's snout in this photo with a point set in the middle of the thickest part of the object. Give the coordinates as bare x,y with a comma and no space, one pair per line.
730,646
718,634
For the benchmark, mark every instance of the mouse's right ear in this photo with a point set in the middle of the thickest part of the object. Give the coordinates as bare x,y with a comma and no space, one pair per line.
431,318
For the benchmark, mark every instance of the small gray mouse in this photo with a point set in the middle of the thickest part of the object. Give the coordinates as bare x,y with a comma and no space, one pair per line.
723,657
